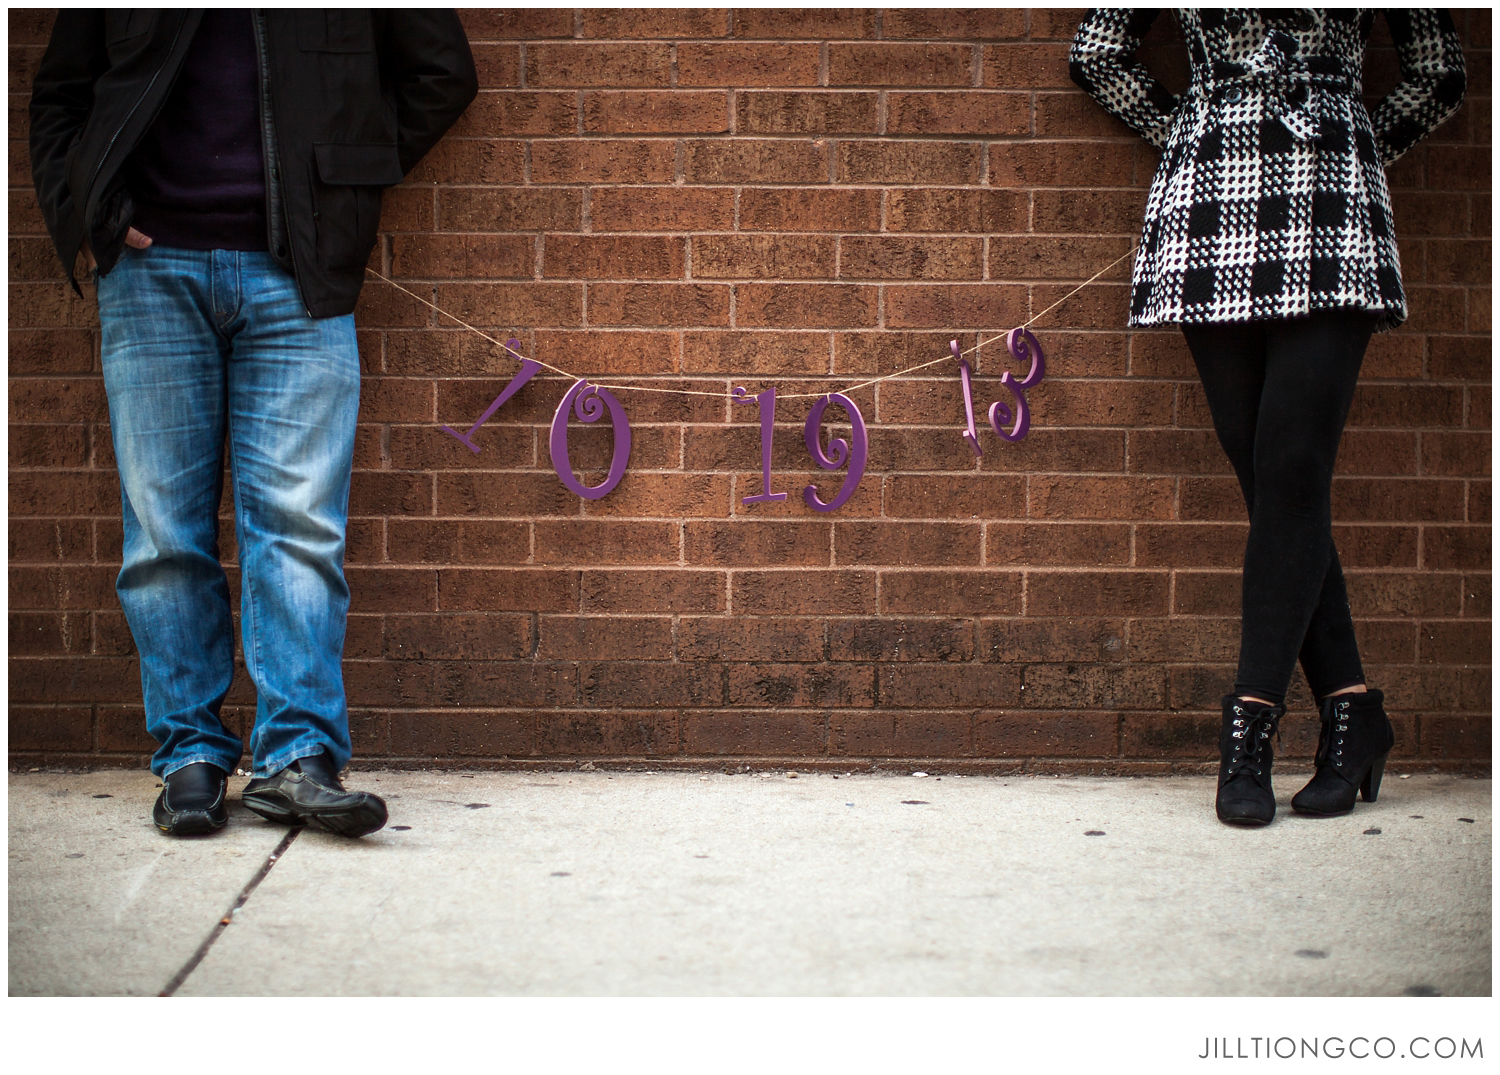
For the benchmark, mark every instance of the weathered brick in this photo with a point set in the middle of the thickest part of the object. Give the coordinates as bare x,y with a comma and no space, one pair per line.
958,112
656,112
803,112
723,64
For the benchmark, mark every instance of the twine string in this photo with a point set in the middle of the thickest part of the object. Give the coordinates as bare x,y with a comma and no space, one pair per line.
791,395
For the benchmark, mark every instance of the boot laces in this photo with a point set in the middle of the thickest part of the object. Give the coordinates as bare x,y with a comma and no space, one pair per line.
1331,741
1251,737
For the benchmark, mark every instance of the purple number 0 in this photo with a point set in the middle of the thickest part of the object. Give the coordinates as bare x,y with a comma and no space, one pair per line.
588,402
839,451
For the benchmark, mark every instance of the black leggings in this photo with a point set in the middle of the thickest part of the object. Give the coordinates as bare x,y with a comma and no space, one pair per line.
1279,392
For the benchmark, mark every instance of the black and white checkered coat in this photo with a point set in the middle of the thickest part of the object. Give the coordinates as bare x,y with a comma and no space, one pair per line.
1270,199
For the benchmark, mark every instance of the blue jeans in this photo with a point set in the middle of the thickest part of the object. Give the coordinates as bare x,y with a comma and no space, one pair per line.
197,342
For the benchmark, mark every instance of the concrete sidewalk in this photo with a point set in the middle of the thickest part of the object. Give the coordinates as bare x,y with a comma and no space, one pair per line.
685,883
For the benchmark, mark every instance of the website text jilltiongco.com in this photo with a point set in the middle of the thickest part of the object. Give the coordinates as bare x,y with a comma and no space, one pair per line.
1358,1047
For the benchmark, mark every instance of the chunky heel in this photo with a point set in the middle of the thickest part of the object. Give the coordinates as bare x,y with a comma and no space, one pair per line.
1355,741
1371,787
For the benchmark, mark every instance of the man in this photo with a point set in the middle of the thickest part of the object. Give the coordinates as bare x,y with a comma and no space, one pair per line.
221,172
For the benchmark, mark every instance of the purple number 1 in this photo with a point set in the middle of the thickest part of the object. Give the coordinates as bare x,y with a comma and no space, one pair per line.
527,372
767,425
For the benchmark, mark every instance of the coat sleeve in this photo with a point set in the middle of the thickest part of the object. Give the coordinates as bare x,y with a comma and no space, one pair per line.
1102,61
62,97
426,60
1432,80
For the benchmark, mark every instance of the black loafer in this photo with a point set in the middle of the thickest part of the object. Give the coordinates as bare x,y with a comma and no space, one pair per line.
192,801
308,792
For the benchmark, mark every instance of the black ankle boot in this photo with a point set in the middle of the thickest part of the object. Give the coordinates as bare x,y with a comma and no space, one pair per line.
1352,747
1245,796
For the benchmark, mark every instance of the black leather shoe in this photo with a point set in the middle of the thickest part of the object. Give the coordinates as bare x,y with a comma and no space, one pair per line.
308,792
1245,796
192,800
1353,744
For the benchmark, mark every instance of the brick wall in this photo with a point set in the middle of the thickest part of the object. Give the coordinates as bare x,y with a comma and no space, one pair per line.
709,198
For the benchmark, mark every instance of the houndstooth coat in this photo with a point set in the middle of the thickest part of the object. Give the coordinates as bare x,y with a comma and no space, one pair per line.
1270,199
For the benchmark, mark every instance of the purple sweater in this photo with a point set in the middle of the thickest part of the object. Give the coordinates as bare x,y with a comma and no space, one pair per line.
198,176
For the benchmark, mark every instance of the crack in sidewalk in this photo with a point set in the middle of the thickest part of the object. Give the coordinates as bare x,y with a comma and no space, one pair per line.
223,923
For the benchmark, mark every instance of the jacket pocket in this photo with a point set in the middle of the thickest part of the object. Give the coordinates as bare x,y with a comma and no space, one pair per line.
335,30
347,178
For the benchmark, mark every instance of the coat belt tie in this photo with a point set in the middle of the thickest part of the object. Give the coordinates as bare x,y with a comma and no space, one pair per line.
1285,77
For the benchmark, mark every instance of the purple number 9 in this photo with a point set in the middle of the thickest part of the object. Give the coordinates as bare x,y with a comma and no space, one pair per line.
589,402
839,451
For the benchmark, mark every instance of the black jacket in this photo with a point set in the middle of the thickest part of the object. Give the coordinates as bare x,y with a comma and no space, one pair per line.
350,100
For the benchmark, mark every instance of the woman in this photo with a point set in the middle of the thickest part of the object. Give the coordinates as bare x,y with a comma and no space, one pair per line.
1268,238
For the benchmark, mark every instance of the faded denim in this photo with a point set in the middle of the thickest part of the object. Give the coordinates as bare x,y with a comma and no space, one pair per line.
197,343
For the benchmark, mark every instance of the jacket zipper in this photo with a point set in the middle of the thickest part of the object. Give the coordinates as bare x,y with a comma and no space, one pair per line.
275,191
108,149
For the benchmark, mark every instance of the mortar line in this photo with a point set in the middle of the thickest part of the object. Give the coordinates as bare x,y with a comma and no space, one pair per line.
208,942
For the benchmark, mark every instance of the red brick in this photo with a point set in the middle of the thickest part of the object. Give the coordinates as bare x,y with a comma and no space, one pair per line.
507,590
1061,164
1462,642
958,112
953,306
612,638
1073,639
809,210
904,258
599,65
510,24
457,637
941,686
804,305
796,686
48,446
753,544
622,257
749,638
656,112
950,593
593,541
1058,544
975,24
439,541
714,64
759,257
481,256
1096,593
1033,734
638,733
950,209
906,544
60,728
472,160
1456,547
806,113
620,684
509,112
900,640
643,590
803,23
1029,66
49,540
883,734
762,593
1407,594
933,496
748,160
654,22
464,733
1084,687
674,209
658,304
911,162
603,160
900,65
753,732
